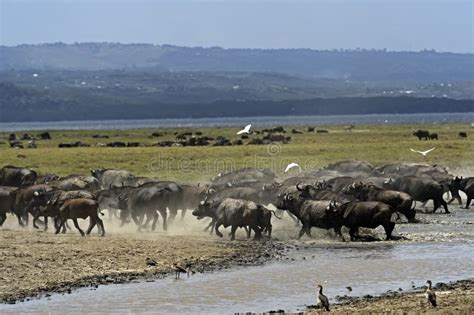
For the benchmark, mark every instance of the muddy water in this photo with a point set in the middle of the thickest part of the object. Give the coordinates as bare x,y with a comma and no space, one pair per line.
442,250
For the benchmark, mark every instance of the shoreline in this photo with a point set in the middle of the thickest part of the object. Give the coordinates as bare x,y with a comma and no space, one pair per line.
455,297
31,279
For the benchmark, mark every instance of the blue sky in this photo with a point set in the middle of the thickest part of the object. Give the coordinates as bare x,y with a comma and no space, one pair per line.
444,25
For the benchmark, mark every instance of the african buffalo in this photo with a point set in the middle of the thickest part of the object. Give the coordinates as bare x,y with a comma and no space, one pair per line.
235,213
400,201
17,176
421,189
147,200
352,166
357,214
422,134
7,201
311,213
464,184
110,177
81,208
23,197
320,193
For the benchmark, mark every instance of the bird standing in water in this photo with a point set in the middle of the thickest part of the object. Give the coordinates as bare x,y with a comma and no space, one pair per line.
322,299
177,270
430,294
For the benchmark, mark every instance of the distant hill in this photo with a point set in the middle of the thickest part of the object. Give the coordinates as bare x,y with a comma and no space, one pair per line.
365,65
28,104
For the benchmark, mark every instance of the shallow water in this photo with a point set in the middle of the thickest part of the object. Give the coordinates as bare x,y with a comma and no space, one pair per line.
262,121
441,251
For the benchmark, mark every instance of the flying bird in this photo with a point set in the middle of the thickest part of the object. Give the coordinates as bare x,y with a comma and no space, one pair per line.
323,300
292,165
430,294
246,130
424,153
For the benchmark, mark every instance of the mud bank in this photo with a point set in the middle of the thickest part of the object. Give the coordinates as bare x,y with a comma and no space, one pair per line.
36,264
452,298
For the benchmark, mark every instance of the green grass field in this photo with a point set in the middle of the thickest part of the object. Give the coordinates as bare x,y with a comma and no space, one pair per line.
377,144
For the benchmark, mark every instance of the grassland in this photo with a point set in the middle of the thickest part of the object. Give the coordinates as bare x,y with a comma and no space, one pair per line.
377,144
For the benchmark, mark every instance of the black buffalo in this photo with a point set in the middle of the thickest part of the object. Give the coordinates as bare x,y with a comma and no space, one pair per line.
311,213
17,176
357,214
400,201
236,213
464,184
422,134
421,189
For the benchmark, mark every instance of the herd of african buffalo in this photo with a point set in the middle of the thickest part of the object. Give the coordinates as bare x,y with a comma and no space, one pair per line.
349,194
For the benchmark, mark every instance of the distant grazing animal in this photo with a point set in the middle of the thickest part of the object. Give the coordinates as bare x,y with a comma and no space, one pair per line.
322,131
310,129
462,134
349,128
433,136
422,134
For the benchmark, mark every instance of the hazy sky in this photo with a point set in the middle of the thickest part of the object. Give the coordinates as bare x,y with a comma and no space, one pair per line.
444,25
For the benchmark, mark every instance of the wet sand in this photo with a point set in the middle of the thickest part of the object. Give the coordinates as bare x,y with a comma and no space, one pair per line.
36,263
452,298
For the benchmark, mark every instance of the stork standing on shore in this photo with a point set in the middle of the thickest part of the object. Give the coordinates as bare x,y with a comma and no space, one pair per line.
322,299
430,294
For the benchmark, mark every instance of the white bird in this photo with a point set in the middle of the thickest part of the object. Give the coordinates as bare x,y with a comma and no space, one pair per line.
292,165
246,130
424,153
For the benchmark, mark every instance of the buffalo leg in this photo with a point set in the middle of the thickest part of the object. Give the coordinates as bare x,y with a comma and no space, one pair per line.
77,227
140,222
92,223
45,223
3,217
338,232
100,223
20,221
210,226
436,205
302,231
248,231
36,217
388,230
216,227
468,202
183,213
155,218
352,233
164,215
149,217
258,232
445,205
267,230
232,232
439,202
60,225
